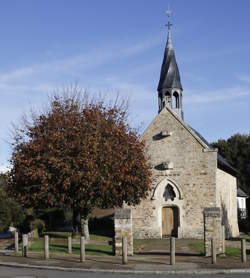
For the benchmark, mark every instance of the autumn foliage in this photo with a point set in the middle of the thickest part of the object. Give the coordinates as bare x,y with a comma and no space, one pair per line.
79,155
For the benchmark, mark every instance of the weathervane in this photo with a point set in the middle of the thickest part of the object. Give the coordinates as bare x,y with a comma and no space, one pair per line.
168,14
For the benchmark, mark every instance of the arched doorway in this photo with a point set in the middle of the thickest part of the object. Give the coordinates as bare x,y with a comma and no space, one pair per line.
170,221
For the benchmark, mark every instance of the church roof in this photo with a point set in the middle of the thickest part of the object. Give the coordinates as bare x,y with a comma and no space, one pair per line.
241,193
170,76
222,162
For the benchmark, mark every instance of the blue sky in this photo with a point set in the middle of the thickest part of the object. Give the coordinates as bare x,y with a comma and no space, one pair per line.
117,46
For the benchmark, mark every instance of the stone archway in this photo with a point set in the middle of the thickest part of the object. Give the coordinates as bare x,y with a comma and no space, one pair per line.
163,183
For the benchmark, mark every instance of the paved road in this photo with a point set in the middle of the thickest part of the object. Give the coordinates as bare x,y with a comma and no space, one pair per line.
11,272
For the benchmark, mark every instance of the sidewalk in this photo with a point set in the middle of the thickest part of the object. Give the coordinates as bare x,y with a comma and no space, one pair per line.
137,264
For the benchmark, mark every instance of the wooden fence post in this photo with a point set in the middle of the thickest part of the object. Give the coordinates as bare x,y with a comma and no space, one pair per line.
213,251
82,249
172,250
243,251
69,244
16,242
124,250
46,247
25,245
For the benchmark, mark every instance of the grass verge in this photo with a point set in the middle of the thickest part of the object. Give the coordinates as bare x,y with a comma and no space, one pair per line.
59,246
198,245
63,235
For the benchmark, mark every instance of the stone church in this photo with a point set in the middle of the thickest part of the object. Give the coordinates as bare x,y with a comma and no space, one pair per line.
188,174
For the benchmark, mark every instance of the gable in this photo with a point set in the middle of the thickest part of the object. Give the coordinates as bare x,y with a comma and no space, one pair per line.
171,144
161,123
167,121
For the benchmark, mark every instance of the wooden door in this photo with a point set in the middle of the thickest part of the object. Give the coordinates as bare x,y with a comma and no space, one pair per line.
169,221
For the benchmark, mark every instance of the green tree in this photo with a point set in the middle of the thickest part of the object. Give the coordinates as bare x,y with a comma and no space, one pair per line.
236,150
11,213
79,155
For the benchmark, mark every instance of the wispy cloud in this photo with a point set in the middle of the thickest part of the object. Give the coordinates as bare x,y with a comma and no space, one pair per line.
219,95
197,55
24,87
86,61
243,77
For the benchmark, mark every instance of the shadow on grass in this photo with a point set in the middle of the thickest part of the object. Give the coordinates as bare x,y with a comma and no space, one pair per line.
90,250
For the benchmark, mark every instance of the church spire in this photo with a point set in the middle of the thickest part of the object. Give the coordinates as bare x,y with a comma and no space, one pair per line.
169,87
169,40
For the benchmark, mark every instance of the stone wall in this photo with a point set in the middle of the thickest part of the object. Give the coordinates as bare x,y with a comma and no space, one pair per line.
227,200
212,230
123,228
192,175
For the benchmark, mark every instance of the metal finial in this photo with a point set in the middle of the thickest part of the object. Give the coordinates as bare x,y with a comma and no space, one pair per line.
169,15
168,12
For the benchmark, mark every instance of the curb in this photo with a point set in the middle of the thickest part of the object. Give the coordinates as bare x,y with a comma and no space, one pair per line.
124,271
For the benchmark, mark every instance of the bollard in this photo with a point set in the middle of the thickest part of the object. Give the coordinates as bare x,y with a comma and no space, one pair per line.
213,251
82,249
46,247
124,251
172,250
113,246
243,251
69,244
16,242
223,239
25,245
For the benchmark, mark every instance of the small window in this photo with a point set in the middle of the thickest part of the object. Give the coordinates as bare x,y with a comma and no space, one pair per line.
177,100
169,193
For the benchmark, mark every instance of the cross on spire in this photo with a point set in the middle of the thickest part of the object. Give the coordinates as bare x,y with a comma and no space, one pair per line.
168,12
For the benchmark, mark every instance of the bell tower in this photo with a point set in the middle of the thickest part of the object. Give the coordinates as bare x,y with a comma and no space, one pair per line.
169,87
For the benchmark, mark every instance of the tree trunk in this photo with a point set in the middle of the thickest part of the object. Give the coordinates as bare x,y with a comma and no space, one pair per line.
85,227
75,222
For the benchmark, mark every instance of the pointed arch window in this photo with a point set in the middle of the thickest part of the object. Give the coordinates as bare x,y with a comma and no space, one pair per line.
169,193
177,100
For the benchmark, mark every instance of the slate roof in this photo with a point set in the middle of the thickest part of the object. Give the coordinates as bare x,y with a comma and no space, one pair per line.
241,193
170,76
222,162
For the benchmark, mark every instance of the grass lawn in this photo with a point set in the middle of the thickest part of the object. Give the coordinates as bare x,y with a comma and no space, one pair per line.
67,234
58,234
60,246
198,245
242,236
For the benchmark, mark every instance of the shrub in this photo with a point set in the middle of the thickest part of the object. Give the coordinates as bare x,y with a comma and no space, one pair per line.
38,225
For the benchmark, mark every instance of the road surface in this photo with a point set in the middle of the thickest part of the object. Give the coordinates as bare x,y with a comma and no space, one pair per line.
11,272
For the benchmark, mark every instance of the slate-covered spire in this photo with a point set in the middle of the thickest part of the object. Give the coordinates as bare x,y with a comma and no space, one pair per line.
170,76
169,87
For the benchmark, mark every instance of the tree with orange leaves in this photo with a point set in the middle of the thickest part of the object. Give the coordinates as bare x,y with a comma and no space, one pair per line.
78,154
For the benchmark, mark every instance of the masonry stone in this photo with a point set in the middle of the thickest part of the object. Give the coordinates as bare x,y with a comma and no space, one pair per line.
123,228
213,230
195,179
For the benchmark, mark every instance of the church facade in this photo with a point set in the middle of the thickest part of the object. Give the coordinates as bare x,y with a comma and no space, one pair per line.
188,174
